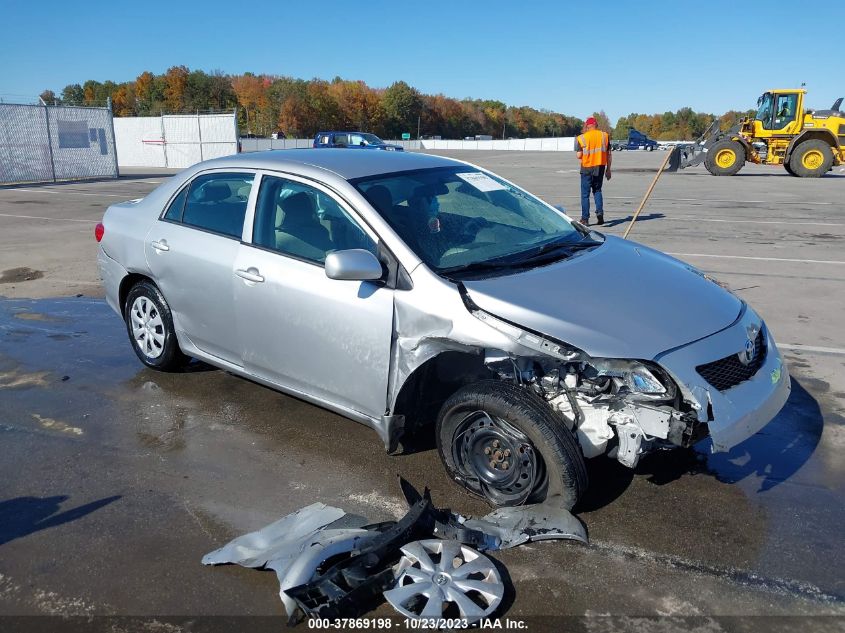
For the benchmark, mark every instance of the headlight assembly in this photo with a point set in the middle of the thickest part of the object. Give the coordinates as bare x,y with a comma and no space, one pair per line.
638,378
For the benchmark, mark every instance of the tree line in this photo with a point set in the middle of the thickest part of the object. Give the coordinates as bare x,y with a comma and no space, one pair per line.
300,108
297,107
681,125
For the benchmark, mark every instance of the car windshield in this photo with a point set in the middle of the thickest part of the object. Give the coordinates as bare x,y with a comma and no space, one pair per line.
462,219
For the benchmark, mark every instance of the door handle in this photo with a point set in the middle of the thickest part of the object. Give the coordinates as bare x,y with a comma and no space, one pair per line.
160,245
250,274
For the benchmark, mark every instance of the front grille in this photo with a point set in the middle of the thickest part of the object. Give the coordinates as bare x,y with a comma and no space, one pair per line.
729,371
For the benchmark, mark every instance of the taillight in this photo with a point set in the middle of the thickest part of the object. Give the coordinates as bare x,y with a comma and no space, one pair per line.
99,230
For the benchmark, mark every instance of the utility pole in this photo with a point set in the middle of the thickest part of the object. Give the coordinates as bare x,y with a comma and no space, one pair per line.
419,116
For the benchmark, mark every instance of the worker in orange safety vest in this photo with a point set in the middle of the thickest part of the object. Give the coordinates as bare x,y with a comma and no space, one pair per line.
593,149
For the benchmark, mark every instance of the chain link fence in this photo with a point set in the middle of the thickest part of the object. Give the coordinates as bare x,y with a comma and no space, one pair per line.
52,143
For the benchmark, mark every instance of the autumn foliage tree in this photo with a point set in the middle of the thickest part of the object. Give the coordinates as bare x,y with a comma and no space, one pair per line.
175,81
681,125
299,107
603,123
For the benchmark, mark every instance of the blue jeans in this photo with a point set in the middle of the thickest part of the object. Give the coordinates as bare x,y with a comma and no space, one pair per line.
591,181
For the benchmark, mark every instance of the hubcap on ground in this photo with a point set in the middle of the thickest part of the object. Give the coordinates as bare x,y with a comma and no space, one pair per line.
499,457
725,158
147,327
445,579
812,159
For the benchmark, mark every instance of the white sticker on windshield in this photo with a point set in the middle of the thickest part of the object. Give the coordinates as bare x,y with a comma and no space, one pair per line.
480,181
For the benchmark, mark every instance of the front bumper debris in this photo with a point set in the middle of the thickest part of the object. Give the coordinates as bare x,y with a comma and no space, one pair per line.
367,557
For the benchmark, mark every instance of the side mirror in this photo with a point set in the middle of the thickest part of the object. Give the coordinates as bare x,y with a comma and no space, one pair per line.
354,264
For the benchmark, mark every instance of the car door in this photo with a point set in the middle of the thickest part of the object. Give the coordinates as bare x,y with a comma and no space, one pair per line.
191,252
322,337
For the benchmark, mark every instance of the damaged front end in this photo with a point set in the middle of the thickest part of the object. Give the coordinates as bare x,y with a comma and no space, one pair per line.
624,408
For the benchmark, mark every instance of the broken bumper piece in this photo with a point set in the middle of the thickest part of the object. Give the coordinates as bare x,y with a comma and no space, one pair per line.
332,565
352,586
516,525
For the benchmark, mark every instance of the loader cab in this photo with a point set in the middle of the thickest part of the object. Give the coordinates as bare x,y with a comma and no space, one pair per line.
778,112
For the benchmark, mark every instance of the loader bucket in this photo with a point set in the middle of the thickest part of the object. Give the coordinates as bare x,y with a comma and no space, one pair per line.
684,156
692,154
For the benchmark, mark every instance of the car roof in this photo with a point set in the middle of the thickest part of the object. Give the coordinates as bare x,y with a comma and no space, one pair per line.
342,162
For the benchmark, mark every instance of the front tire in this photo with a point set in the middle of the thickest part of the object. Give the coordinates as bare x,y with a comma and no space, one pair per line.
149,324
504,443
811,159
725,158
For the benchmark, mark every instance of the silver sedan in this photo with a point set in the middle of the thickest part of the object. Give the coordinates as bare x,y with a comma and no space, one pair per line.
428,298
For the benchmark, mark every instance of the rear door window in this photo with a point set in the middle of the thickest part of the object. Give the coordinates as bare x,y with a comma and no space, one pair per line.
217,203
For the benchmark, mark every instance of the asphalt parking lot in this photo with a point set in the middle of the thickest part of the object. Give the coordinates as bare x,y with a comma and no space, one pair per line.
116,480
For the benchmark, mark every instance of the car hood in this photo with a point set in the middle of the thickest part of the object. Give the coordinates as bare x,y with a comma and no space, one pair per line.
619,300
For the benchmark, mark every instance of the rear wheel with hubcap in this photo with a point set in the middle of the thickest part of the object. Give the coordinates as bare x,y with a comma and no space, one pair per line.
150,327
502,442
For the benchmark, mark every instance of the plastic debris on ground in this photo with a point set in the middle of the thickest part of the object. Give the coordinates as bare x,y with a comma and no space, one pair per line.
331,564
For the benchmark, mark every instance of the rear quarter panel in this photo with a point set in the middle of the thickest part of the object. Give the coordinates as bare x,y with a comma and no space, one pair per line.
126,227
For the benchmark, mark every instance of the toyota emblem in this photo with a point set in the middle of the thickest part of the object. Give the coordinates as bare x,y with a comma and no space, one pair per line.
749,351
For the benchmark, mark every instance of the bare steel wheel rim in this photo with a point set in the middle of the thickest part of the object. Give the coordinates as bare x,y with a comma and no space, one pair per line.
439,579
147,327
498,458
812,159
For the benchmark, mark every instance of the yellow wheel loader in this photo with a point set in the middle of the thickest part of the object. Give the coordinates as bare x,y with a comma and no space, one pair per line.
808,144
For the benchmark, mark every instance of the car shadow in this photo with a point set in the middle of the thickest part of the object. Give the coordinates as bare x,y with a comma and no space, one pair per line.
773,454
642,218
779,450
608,481
22,516
196,366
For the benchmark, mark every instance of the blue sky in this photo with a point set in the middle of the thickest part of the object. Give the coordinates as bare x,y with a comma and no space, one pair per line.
575,58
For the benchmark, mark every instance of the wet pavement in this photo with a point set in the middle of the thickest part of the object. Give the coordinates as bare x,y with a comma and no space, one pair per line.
118,479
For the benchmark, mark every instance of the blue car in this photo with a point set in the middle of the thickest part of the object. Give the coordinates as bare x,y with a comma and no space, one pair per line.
359,140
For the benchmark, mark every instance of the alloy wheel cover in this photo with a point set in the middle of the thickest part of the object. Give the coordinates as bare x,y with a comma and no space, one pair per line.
443,579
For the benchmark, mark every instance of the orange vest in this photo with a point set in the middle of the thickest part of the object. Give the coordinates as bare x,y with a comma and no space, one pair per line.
594,145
